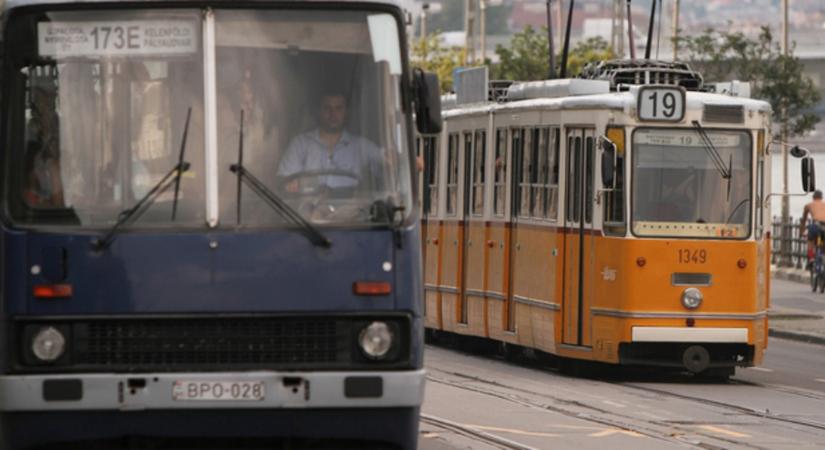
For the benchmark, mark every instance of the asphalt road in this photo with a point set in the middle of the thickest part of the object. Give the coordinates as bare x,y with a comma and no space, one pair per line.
481,402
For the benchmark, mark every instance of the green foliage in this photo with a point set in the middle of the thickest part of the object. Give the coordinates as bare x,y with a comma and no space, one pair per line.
527,57
775,78
428,54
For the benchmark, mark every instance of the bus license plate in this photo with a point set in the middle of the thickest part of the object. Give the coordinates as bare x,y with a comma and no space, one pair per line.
219,390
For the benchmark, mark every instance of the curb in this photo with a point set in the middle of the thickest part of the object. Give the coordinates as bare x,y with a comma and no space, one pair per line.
797,275
795,336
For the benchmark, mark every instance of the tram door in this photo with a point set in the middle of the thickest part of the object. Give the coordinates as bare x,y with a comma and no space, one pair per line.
466,238
578,237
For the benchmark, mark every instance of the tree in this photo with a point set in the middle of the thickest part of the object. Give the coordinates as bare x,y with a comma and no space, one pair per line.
527,57
428,54
774,77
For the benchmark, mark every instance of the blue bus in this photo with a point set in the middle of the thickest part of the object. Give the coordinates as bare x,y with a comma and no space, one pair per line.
209,225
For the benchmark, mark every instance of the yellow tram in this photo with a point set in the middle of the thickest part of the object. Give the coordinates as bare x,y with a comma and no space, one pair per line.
620,219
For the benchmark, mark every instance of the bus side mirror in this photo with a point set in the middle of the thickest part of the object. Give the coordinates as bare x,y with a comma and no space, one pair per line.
608,162
808,174
427,102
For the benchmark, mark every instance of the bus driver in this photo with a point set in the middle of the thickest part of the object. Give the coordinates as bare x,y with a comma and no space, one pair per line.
330,148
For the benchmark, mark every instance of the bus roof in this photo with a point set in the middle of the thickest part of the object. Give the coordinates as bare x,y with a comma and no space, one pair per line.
6,5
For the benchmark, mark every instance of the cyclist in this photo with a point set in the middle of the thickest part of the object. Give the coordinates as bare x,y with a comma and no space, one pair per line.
816,209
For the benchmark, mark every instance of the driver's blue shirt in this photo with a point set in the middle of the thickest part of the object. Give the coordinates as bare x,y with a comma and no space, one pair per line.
352,154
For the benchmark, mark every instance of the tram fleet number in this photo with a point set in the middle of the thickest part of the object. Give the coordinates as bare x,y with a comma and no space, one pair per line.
688,256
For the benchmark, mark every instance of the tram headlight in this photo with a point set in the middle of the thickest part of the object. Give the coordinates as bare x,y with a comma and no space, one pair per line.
376,340
48,344
692,298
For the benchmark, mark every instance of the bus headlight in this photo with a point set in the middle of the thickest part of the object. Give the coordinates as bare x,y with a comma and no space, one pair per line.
48,344
375,340
692,298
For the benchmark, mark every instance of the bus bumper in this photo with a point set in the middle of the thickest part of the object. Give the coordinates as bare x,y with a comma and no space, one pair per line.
162,391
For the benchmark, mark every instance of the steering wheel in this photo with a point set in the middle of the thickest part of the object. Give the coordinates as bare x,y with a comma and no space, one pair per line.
318,187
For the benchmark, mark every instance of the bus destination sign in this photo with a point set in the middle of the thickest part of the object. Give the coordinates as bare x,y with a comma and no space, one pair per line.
117,38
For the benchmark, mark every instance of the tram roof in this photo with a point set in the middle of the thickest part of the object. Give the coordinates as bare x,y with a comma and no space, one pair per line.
6,5
608,101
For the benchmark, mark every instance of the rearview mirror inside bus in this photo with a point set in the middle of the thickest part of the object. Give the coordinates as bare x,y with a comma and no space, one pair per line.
808,174
427,102
608,162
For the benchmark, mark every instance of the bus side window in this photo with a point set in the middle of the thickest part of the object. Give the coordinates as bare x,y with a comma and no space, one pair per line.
588,180
542,173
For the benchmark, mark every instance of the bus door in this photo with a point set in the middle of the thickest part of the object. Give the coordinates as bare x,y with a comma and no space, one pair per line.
578,238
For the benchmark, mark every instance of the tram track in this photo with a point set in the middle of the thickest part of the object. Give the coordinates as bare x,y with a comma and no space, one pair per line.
586,412
763,415
739,409
475,434
662,430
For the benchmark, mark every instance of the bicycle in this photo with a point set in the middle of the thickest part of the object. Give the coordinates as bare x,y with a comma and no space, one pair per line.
817,266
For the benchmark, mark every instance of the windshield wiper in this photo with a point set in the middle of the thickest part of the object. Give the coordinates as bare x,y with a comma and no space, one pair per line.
727,172
133,213
713,153
277,204
271,199
180,163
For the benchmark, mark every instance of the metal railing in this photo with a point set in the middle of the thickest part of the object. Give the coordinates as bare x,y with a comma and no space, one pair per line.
788,247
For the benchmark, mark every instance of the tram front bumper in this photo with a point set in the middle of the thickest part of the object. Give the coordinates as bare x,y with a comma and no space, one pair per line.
246,390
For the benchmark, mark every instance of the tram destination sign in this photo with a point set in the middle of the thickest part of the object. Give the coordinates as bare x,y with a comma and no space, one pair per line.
661,103
117,38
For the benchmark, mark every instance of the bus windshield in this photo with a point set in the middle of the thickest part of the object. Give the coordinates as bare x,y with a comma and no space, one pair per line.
685,187
100,102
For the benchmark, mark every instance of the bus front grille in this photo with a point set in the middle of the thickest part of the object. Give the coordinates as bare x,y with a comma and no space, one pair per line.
199,342
211,343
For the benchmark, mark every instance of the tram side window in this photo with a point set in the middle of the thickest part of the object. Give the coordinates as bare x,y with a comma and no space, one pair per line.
452,174
517,138
573,170
528,171
479,152
500,172
430,150
614,219
542,174
552,185
588,180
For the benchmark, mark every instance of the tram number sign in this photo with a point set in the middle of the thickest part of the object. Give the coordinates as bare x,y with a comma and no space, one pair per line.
692,256
661,104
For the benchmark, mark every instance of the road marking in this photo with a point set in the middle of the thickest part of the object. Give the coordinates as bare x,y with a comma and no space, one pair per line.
761,369
821,380
512,431
720,430
611,431
429,435
616,404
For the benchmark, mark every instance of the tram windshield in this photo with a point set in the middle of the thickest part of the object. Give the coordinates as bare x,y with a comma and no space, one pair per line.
682,186
104,105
